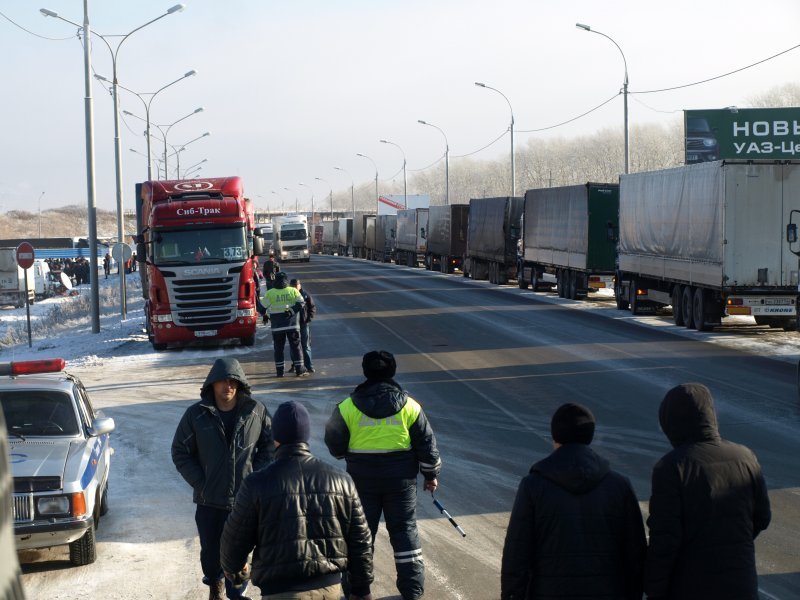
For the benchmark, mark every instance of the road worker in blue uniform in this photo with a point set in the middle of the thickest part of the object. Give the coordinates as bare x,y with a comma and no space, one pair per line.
386,440
283,305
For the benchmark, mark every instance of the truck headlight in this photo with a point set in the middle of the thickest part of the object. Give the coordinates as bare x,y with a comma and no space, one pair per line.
163,318
305,250
53,505
247,312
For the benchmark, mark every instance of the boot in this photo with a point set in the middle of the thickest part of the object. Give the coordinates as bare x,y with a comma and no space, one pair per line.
216,590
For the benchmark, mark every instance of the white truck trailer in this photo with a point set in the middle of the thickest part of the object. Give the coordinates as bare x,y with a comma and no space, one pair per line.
12,280
712,240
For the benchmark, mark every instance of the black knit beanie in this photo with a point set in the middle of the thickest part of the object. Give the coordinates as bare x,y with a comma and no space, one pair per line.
572,424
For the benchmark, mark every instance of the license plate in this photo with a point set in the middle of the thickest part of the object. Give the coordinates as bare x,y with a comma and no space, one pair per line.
205,333
691,157
778,301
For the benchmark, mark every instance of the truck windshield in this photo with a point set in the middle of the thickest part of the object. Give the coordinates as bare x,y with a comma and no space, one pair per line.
172,247
293,234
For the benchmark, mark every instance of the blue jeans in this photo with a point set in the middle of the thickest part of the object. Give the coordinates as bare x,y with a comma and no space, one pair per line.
210,522
305,343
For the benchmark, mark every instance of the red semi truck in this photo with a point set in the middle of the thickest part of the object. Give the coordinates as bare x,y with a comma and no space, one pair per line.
196,239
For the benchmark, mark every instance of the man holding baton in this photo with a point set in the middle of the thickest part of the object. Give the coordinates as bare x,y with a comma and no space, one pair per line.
386,439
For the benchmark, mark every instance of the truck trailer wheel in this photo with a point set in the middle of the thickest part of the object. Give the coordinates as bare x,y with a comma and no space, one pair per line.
573,285
699,310
687,304
619,294
677,302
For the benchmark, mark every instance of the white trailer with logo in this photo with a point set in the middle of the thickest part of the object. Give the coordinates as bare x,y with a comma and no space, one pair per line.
712,240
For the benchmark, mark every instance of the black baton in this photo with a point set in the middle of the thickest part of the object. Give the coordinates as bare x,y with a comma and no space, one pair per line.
438,505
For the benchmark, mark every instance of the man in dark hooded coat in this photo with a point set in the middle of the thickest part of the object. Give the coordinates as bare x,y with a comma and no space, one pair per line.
220,441
708,503
576,530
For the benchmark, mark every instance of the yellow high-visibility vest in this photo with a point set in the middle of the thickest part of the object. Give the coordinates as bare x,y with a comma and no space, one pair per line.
371,435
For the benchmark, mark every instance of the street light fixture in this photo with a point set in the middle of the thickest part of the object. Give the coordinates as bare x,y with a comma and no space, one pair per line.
446,160
513,179
312,199
197,164
377,197
405,186
147,111
117,149
331,187
624,84
164,134
176,152
352,190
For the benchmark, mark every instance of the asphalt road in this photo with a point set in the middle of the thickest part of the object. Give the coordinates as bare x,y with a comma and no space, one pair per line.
489,364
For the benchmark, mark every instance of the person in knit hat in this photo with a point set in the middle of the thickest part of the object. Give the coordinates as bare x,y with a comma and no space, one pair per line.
575,530
708,503
304,519
386,440
218,442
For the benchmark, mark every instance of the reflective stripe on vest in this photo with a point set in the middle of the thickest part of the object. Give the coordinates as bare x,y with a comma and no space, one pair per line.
379,435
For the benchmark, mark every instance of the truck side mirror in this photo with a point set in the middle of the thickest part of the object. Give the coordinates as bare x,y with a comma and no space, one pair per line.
141,252
791,233
258,245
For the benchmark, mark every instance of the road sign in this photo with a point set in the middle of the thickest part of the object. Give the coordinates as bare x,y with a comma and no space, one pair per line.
121,252
25,255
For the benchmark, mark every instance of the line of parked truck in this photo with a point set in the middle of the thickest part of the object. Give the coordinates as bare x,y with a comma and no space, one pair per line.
709,240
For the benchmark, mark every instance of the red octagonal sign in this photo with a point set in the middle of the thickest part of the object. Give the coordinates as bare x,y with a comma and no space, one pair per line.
25,255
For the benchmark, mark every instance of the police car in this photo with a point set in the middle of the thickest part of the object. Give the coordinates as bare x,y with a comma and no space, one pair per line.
60,457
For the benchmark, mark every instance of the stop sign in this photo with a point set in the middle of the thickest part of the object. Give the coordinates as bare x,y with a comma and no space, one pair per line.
25,255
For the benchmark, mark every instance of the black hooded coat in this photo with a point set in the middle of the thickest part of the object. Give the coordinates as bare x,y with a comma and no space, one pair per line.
200,449
575,531
709,501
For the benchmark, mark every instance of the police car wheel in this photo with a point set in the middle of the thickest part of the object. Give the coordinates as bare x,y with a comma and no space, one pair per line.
83,551
104,501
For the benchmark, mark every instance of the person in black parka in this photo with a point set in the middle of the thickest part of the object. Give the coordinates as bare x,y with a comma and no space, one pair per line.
576,530
708,503
219,441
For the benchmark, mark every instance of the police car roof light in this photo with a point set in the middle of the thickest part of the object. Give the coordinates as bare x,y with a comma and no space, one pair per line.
28,367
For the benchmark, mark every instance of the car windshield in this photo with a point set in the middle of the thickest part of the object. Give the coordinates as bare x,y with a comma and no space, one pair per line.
698,126
293,234
199,246
39,412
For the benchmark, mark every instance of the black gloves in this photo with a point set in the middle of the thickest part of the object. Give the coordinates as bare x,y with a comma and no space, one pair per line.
289,312
265,318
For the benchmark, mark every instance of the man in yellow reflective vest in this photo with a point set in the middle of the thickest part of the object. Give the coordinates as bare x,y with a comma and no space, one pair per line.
386,440
282,305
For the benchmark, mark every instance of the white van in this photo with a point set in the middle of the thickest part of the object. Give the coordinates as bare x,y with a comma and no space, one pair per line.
41,277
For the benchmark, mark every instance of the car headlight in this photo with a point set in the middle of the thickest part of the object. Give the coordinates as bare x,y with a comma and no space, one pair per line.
709,143
53,505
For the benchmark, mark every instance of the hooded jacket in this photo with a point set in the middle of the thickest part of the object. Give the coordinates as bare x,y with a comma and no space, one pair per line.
708,503
200,449
382,399
305,519
575,531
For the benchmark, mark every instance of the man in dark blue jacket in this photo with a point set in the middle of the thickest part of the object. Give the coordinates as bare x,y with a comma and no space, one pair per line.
220,441
575,530
386,439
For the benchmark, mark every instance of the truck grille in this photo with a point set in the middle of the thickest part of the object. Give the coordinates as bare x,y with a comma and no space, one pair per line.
23,508
203,303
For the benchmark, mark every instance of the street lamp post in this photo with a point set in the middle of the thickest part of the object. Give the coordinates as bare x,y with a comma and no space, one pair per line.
352,190
624,84
446,160
513,161
40,213
330,186
147,111
91,211
279,197
117,149
176,152
195,165
296,204
377,197
405,186
164,134
312,199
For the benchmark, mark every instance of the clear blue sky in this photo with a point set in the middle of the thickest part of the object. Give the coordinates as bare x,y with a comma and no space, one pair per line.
292,89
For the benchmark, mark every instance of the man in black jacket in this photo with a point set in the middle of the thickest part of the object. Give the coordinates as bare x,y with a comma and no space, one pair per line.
306,316
708,503
575,530
219,441
387,440
304,519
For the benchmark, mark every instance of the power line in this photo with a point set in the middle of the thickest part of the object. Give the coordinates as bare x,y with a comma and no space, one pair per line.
15,24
